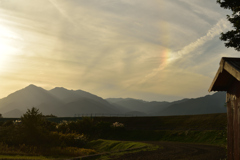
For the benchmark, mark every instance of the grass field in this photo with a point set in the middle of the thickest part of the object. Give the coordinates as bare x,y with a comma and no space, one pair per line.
111,148
103,149
17,157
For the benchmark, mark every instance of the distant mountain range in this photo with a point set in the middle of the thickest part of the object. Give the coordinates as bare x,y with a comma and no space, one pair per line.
68,103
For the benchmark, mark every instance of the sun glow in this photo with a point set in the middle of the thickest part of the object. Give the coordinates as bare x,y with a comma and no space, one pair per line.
7,40
7,33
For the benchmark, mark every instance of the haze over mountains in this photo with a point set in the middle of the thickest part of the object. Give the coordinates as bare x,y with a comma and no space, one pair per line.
68,103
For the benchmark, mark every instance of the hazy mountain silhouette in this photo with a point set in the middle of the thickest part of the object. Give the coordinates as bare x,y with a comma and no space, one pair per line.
13,113
131,104
122,108
85,106
26,98
73,95
81,102
203,105
58,101
64,102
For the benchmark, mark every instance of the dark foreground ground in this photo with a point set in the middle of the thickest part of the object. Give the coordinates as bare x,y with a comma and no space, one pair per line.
178,151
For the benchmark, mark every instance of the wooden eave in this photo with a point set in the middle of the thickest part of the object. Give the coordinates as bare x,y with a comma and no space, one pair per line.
229,70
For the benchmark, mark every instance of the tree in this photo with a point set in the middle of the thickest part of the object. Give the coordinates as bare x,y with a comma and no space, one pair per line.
32,118
232,37
34,132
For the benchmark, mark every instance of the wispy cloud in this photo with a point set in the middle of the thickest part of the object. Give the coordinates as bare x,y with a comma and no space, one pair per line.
190,48
134,48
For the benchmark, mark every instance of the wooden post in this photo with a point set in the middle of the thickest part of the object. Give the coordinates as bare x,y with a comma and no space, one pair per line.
230,128
236,130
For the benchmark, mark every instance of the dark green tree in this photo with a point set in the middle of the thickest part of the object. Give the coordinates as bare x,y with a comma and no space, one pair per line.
32,118
34,132
232,37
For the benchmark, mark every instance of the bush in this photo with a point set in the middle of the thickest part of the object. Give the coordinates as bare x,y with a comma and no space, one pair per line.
7,123
68,139
85,126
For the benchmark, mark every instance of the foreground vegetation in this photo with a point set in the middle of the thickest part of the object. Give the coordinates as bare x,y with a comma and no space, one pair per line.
100,148
34,135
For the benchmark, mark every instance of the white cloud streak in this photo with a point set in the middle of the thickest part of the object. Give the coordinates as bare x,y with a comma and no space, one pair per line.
221,25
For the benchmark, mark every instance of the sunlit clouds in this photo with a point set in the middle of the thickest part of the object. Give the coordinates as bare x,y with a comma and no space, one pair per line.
151,50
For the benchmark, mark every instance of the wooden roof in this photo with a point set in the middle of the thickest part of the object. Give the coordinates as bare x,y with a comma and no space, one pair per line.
229,70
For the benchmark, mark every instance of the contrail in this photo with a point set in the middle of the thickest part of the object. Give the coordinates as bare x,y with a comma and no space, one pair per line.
214,31
221,25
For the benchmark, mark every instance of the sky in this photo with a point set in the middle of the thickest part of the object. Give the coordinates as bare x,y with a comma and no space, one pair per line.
155,50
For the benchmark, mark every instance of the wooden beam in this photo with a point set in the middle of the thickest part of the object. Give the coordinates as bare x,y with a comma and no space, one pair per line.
215,79
230,69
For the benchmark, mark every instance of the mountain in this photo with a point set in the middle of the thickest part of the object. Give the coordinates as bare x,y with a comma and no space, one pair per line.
26,98
13,113
83,101
84,106
58,101
63,102
72,95
203,105
139,105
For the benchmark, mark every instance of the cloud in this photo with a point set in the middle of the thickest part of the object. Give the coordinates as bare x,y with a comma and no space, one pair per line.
190,48
122,47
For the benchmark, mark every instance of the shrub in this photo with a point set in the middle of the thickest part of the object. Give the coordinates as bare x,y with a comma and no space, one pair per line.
85,126
117,125
68,139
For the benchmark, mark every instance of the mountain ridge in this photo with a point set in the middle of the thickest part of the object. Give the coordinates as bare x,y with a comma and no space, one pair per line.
63,102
